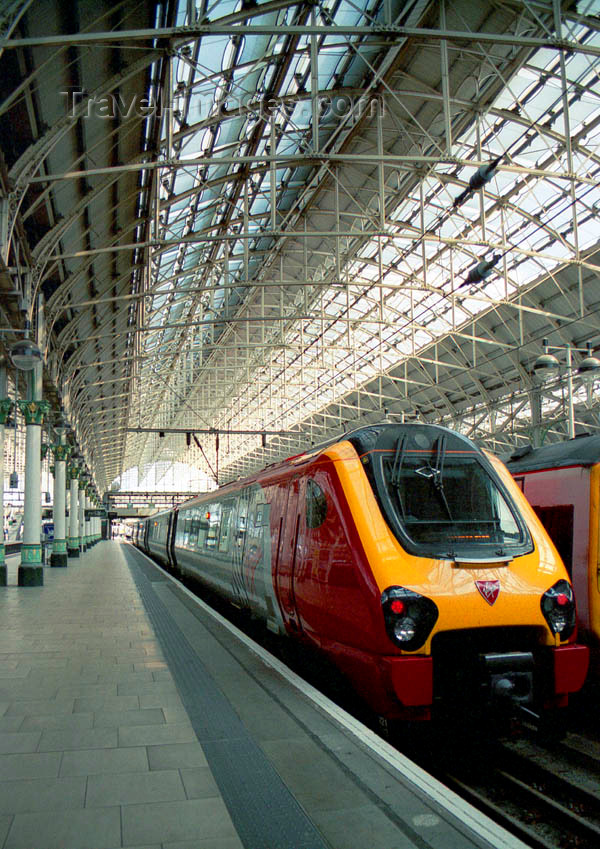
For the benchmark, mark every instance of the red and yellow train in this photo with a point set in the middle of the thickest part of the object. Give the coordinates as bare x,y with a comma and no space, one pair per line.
406,555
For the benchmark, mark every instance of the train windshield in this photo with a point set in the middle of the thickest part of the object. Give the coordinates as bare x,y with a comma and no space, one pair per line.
443,498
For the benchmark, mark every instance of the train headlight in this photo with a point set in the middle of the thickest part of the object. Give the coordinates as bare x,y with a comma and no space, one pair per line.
405,630
558,607
409,617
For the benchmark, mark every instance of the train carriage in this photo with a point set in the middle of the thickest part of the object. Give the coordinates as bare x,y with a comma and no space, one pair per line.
562,482
406,555
155,536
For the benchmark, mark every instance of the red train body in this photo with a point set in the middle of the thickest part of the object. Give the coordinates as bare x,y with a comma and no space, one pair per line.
404,554
562,482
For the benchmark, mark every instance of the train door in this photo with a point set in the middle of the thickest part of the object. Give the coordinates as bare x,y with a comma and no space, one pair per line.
171,528
287,555
561,499
594,555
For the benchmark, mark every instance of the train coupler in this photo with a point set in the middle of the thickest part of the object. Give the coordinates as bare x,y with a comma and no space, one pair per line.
508,678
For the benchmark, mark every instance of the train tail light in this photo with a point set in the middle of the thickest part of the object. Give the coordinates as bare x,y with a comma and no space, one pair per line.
558,607
409,617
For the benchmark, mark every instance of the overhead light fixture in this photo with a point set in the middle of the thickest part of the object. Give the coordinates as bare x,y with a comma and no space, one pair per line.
25,354
482,176
589,367
480,271
547,365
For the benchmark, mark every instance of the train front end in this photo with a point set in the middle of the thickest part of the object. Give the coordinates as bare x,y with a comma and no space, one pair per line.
478,610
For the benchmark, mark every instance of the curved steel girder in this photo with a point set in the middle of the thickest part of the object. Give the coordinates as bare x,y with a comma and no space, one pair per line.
55,304
119,133
389,61
50,239
452,411
274,88
58,350
10,17
68,337
342,91
31,160
5,105
57,301
63,373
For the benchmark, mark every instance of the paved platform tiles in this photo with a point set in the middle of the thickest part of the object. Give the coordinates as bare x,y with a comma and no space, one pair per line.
96,749
104,743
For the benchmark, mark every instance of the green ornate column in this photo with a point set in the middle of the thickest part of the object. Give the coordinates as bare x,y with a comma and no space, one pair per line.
87,522
81,512
96,520
6,406
73,535
59,556
31,570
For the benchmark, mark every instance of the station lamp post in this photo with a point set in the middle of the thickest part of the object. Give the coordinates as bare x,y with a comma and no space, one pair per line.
547,366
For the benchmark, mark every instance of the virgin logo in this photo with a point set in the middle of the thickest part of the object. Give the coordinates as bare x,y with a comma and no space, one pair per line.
489,590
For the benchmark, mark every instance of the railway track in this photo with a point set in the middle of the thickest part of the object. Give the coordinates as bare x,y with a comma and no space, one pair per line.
549,798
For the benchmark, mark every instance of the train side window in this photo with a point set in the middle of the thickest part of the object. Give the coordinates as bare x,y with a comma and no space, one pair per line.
214,524
316,505
202,527
520,482
187,526
225,527
161,533
241,524
194,527
261,517
179,530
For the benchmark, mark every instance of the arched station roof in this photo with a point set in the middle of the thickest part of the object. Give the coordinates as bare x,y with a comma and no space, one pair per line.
263,223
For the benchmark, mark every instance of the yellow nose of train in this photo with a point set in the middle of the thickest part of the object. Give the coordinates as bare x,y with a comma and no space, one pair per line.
473,594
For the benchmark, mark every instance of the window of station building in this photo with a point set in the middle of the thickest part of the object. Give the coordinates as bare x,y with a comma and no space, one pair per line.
316,505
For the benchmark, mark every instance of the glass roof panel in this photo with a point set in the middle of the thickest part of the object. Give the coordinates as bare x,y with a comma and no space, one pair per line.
427,252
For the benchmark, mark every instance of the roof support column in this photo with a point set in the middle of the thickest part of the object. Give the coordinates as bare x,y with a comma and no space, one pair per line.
73,538
86,518
535,403
81,516
31,570
5,407
59,555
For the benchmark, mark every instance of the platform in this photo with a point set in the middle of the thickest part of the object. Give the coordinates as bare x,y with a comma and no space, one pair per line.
133,716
